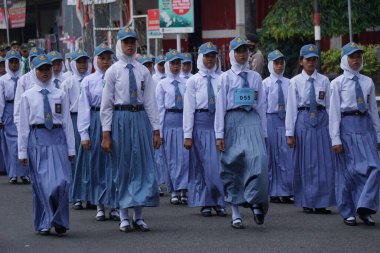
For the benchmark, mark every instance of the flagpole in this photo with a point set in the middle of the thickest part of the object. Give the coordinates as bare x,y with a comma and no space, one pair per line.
93,23
6,19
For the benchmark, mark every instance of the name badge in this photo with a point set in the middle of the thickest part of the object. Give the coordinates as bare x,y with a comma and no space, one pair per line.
322,95
244,96
142,86
58,108
368,99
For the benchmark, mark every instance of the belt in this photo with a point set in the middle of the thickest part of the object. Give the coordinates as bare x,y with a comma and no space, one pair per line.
10,101
130,108
73,113
307,108
175,110
95,108
201,110
239,109
354,113
43,126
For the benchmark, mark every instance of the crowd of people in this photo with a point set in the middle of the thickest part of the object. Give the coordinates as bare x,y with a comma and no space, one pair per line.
118,129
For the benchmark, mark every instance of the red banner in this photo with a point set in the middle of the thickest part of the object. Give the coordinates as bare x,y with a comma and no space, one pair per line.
153,19
17,14
3,22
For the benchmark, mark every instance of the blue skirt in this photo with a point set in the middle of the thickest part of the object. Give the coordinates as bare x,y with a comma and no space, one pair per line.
313,163
50,172
133,160
92,179
205,185
358,167
74,119
280,169
160,164
13,165
176,156
3,168
244,163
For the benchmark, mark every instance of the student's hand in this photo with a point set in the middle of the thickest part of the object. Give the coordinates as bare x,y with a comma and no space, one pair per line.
23,162
291,142
107,142
188,143
156,139
86,144
220,144
71,158
338,149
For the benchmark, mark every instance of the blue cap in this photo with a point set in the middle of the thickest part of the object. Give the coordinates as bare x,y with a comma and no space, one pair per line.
206,48
68,56
238,42
79,54
54,55
186,57
173,55
351,48
153,57
126,33
40,60
2,59
13,54
274,55
103,47
309,50
144,59
35,51
159,58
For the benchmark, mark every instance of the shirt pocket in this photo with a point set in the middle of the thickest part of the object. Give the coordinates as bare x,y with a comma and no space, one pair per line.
320,92
56,107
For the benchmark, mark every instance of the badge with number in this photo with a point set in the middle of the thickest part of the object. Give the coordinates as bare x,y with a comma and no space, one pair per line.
58,108
321,95
244,96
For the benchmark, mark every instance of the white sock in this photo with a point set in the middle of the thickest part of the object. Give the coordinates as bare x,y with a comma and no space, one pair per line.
235,212
351,218
257,209
137,214
124,214
100,207
174,194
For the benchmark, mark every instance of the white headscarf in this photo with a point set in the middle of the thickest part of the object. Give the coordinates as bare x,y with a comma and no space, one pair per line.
168,73
67,65
96,67
37,81
61,72
10,72
235,66
188,73
158,73
202,68
273,73
347,70
218,70
121,56
73,65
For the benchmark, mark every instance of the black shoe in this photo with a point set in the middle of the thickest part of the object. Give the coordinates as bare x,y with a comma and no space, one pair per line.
287,200
367,220
220,211
322,211
174,200
126,228
25,180
308,210
13,180
114,215
258,215
206,211
184,200
141,227
100,215
59,229
44,232
275,200
162,193
77,205
237,223
350,222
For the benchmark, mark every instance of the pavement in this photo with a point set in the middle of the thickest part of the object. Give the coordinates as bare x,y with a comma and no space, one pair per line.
182,229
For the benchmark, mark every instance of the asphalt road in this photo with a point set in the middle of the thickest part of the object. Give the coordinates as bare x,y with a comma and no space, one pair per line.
182,229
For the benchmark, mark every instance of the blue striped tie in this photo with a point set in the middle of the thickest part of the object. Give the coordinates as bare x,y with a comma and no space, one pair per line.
211,95
313,103
359,95
56,82
132,86
47,110
15,79
281,100
178,96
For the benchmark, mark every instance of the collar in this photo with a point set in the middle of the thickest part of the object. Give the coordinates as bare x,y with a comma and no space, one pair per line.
38,88
350,75
306,76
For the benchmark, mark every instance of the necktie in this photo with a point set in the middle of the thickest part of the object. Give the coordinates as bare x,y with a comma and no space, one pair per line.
132,86
56,82
187,77
47,110
281,100
15,79
245,85
313,103
163,77
178,96
211,95
359,95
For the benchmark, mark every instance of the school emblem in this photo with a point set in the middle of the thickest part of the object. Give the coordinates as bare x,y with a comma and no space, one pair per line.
311,49
353,44
104,46
58,108
239,40
53,53
209,45
42,58
161,57
179,98
321,95
134,94
313,114
211,100
80,51
127,30
174,52
276,52
13,52
360,100
35,50
281,108
145,56
48,116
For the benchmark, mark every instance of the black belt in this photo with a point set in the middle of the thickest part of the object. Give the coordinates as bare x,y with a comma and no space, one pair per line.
239,109
201,110
307,108
94,108
9,101
73,113
175,110
130,108
43,126
354,113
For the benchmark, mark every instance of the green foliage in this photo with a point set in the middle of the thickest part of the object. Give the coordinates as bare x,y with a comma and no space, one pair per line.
330,61
371,65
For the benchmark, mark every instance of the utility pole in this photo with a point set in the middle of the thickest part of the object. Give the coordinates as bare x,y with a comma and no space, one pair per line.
349,19
317,29
6,19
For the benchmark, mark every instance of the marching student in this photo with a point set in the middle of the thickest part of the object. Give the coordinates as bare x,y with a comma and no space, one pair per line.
58,76
187,65
46,144
306,125
81,67
8,85
205,186
130,124
147,61
3,170
280,169
355,133
240,129
159,69
68,72
169,95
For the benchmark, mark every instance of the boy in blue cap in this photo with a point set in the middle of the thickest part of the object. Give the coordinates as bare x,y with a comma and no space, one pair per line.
355,133
240,129
306,125
187,65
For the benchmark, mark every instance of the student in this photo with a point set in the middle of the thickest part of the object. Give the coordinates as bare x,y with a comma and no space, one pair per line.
147,61
280,169
8,84
187,65
25,58
240,129
3,170
81,67
159,69
169,94
205,186
56,59
92,179
46,143
355,134
130,124
306,125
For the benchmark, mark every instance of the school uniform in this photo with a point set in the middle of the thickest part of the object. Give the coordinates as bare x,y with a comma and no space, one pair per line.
205,186
46,139
354,123
169,95
158,76
280,169
57,78
307,120
3,170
